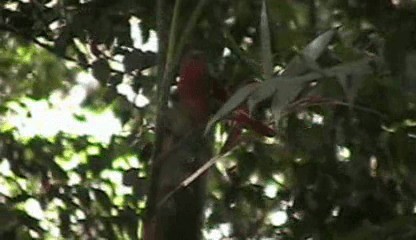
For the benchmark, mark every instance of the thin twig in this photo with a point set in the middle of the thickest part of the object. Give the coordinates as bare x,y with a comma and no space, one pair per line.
326,101
191,178
50,49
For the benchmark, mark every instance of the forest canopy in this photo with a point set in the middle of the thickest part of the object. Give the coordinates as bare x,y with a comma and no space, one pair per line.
197,119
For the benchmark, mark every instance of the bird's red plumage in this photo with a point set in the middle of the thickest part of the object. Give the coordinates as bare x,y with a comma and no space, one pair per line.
193,88
194,95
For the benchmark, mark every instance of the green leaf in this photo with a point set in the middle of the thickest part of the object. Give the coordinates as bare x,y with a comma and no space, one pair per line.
57,171
65,222
97,163
116,79
138,60
101,70
140,188
62,42
103,199
130,176
8,218
84,196
80,117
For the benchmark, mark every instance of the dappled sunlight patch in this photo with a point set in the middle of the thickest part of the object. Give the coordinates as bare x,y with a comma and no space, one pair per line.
48,121
278,218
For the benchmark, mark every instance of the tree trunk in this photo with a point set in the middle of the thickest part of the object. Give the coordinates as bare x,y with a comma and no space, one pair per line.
179,216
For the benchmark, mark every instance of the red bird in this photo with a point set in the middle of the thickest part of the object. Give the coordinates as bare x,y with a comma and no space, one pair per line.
195,90
193,87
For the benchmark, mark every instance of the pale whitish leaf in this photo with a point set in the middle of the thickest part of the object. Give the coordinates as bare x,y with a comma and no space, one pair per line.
236,100
268,88
311,64
359,68
266,48
298,65
286,93
351,75
265,91
313,51
315,48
